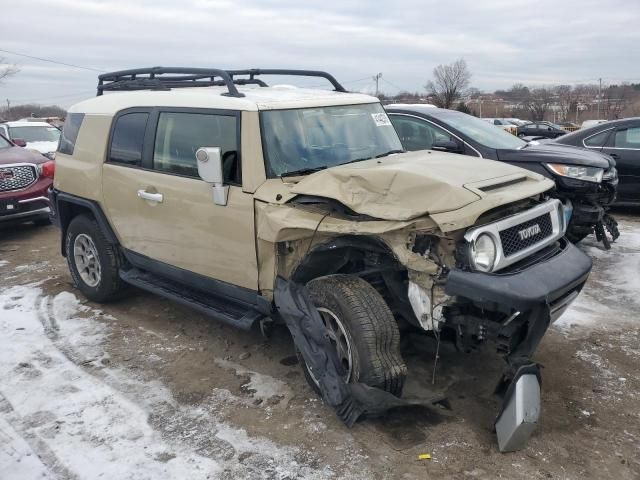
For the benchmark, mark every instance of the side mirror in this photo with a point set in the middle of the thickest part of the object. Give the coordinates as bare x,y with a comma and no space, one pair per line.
446,146
210,170
21,142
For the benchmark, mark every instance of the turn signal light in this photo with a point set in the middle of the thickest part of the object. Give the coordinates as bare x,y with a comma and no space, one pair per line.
47,169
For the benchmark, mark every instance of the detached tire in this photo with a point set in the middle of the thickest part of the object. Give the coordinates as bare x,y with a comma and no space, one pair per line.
363,331
93,262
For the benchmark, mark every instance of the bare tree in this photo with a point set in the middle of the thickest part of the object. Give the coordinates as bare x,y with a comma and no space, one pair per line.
449,82
566,100
538,102
7,69
616,99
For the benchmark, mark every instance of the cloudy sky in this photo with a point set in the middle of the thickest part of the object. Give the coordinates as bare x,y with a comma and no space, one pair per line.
504,41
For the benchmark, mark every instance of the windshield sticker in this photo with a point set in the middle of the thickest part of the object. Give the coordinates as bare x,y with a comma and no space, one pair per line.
381,119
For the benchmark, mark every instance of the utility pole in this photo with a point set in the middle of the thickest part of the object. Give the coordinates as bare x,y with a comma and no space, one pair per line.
599,97
377,78
8,106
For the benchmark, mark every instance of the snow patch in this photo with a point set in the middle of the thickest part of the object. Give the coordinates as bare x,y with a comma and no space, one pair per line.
64,414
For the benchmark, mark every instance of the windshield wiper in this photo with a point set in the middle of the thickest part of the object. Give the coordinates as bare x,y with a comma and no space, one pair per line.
302,171
390,152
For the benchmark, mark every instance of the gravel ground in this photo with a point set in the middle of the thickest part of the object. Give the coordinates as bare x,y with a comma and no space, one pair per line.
144,388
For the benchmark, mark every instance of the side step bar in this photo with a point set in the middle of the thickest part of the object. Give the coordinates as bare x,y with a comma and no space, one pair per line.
225,310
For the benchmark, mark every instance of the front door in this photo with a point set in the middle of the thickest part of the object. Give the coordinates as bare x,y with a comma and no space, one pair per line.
624,147
160,207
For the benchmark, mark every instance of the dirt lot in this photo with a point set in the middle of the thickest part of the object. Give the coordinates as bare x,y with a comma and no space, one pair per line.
144,388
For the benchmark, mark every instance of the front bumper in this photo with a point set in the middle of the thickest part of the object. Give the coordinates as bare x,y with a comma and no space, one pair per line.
29,203
541,285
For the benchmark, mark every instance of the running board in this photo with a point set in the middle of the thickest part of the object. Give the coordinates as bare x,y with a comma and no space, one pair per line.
231,312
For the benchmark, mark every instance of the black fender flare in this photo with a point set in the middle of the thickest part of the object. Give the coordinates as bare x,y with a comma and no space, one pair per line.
67,206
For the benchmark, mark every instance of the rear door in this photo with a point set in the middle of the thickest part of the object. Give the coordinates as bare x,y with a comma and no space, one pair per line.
163,211
624,146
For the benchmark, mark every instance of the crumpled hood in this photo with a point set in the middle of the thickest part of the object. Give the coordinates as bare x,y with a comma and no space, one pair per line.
408,185
556,153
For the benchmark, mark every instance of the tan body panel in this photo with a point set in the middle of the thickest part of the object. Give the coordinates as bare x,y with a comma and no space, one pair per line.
81,173
187,230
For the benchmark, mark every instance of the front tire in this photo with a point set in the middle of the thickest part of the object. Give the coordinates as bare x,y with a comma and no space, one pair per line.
93,262
363,331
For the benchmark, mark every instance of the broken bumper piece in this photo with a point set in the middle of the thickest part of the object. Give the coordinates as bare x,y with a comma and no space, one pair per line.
520,410
532,299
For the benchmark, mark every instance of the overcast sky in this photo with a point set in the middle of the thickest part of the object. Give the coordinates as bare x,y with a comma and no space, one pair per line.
503,41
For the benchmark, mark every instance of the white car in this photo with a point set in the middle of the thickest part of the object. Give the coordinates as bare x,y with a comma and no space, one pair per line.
592,123
39,136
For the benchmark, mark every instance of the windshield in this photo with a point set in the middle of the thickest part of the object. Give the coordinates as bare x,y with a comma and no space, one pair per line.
35,133
483,132
310,139
4,143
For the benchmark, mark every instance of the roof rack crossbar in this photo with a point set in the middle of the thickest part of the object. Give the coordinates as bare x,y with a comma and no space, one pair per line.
295,73
163,78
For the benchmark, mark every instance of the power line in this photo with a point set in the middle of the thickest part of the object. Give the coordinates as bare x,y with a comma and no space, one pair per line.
69,95
52,61
394,85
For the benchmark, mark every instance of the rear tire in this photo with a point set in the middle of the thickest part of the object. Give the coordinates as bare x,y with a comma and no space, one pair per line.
369,329
94,263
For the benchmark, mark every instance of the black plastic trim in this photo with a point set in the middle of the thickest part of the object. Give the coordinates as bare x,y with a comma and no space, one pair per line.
536,286
62,215
201,283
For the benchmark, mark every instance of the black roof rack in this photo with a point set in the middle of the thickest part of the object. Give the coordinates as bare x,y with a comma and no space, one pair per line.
165,78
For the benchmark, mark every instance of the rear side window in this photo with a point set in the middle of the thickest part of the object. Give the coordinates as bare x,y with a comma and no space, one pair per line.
70,133
597,140
179,135
628,138
128,139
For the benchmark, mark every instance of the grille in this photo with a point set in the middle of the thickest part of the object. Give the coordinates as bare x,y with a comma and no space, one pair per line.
513,241
16,178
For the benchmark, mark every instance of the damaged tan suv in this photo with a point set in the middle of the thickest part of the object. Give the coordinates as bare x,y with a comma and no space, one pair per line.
261,205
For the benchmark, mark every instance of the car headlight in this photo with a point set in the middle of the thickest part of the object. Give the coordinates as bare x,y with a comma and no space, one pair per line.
588,174
483,253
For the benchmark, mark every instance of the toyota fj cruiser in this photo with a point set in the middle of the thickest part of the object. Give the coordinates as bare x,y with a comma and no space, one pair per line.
259,204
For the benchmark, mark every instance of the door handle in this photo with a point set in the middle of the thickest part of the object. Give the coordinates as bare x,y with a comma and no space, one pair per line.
152,197
614,156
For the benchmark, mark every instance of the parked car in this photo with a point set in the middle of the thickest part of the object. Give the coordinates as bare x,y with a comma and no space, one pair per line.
258,204
38,136
541,130
586,181
619,139
591,123
25,180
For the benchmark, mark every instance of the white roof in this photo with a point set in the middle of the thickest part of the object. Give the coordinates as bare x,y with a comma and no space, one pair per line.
256,98
25,123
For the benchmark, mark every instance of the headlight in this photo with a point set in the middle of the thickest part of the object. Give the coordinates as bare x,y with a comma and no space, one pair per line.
483,253
588,174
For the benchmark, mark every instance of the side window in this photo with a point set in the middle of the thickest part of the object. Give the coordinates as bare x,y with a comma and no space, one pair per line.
417,134
128,139
597,140
628,138
70,133
179,135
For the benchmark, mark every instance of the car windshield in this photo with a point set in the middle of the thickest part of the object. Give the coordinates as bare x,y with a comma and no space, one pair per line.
308,139
483,132
4,143
35,133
